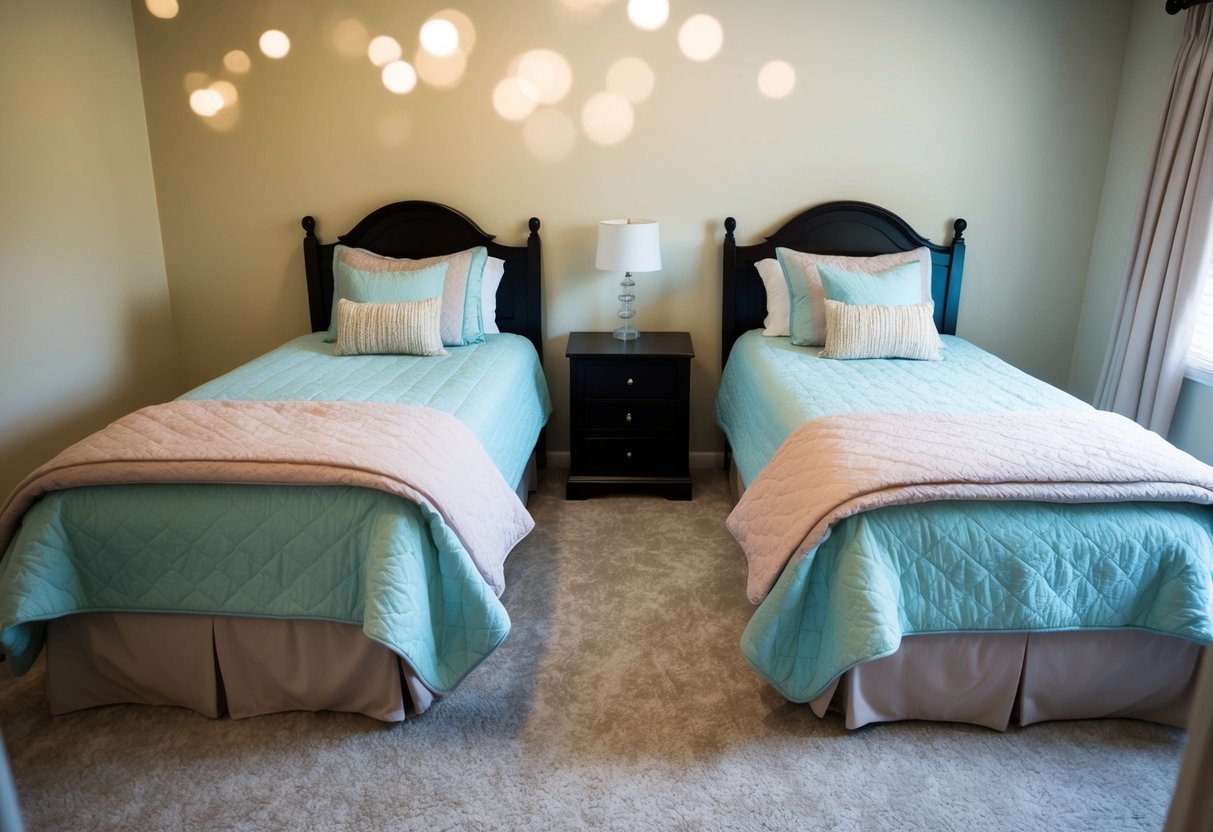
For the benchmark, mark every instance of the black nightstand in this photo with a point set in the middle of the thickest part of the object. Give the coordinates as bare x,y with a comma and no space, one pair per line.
629,413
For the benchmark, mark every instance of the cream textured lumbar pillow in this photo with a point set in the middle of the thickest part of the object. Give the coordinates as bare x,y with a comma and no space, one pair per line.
409,328
855,331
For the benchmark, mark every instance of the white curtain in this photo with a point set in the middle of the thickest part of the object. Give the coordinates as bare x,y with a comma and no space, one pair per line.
1170,248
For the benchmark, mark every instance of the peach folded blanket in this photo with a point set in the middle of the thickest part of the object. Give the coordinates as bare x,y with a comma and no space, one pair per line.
836,466
421,454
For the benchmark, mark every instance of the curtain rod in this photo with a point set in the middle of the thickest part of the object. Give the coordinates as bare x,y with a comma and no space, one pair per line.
1177,6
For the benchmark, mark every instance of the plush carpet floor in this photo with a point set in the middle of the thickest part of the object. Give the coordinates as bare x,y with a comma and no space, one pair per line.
619,701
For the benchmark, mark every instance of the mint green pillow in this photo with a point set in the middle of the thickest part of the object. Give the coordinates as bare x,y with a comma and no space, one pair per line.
473,313
383,287
898,286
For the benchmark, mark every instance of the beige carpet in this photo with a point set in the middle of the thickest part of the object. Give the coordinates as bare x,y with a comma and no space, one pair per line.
620,701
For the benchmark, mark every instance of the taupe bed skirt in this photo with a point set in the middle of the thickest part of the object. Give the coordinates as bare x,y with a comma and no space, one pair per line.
992,679
245,667
220,665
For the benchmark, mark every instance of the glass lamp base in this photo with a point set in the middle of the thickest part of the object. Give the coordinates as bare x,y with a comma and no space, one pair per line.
627,332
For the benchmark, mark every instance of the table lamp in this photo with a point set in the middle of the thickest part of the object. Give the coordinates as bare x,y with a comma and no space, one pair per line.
628,246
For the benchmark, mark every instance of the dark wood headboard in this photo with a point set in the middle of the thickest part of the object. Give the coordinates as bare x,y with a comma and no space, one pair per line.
418,229
851,228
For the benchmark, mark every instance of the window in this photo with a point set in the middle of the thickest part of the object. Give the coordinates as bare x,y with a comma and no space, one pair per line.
1200,354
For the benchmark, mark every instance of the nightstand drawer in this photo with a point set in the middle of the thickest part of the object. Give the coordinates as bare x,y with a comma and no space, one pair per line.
645,415
630,379
621,456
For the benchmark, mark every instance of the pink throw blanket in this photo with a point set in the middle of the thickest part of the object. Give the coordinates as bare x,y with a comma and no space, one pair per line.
424,455
836,466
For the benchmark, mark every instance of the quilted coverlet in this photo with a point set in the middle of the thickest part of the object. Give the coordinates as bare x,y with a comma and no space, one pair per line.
418,563
497,388
836,466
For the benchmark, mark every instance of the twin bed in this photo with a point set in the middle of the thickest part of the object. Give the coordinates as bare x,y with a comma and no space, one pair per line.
942,582
367,587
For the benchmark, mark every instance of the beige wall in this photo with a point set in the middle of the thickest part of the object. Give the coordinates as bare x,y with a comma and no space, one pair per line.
998,112
1193,416
88,330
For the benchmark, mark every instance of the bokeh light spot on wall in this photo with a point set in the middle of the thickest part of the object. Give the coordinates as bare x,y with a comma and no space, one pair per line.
351,39
237,61
196,81
514,99
439,37
274,43
464,28
549,135
163,9
384,49
399,77
607,118
395,129
224,120
776,79
648,15
227,92
547,72
586,5
701,37
632,78
441,71
206,102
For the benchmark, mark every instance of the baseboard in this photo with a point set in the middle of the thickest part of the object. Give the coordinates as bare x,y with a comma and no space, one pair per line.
707,459
699,459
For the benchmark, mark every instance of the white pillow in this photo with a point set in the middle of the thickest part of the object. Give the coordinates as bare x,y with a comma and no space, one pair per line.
778,305
494,270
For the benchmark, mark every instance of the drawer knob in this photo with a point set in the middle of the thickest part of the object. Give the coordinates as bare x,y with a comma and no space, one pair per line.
627,418
629,454
630,382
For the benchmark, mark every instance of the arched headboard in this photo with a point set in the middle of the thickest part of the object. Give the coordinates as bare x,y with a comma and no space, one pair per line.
851,228
418,229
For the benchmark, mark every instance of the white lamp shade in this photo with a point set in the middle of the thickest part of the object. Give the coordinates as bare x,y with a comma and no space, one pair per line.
628,246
